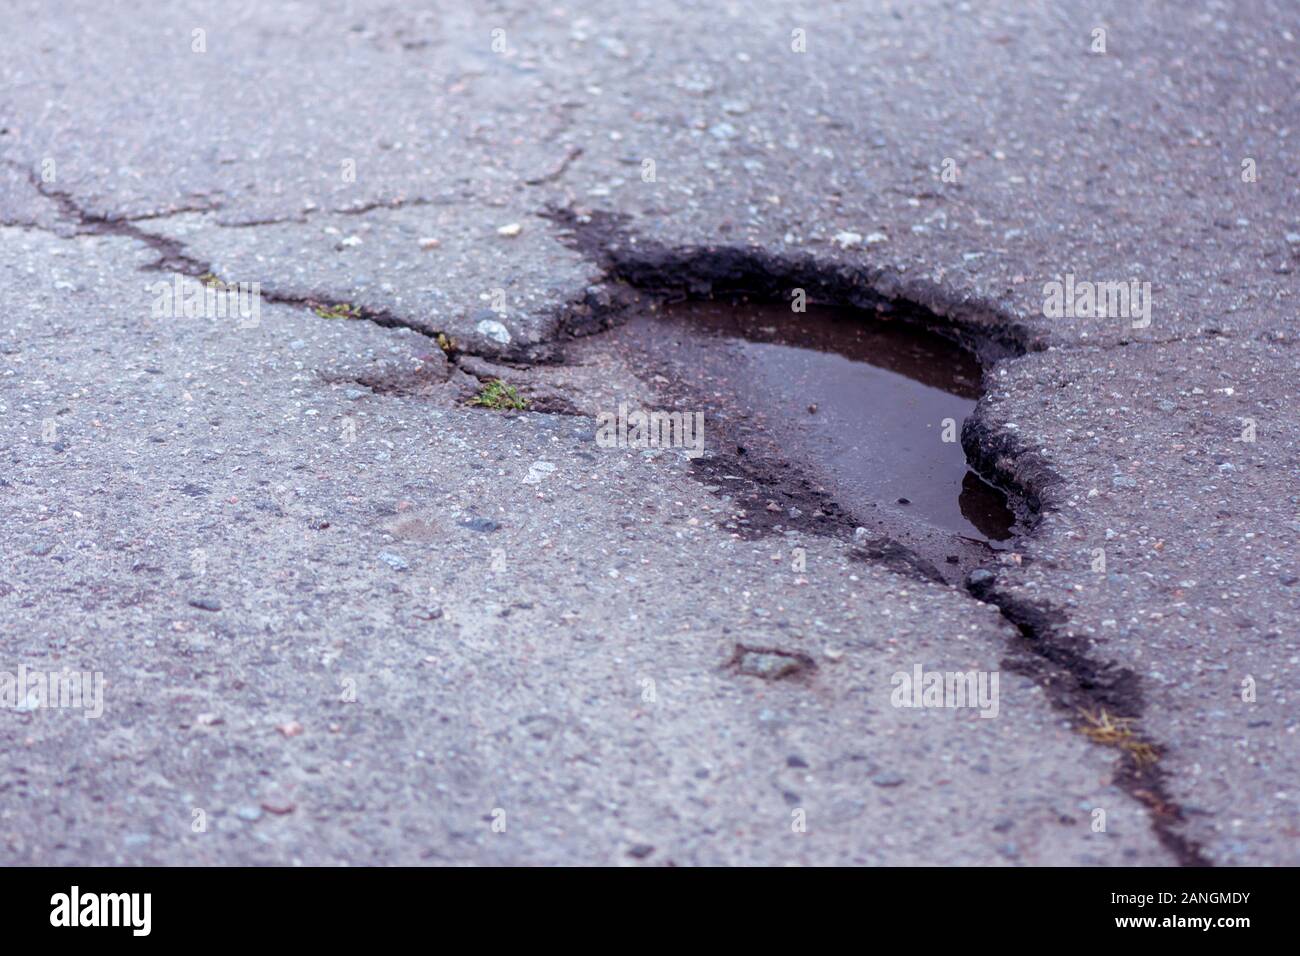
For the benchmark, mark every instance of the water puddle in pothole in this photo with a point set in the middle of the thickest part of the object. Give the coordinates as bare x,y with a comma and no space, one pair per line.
857,407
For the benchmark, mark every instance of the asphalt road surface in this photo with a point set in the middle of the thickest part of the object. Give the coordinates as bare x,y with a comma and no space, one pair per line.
340,616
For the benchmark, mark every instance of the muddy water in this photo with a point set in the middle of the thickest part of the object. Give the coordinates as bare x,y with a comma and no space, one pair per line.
858,406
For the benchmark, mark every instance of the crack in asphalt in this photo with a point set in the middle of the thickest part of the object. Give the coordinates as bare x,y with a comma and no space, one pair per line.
1074,682
73,210
172,255
178,211
560,169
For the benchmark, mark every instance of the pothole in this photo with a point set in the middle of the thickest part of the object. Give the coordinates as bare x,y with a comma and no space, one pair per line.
827,420
783,492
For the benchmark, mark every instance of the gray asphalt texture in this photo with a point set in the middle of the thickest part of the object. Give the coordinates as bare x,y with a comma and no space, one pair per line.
344,618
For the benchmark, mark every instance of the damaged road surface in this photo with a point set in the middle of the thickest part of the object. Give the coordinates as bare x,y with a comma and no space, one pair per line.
826,420
349,626
332,612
